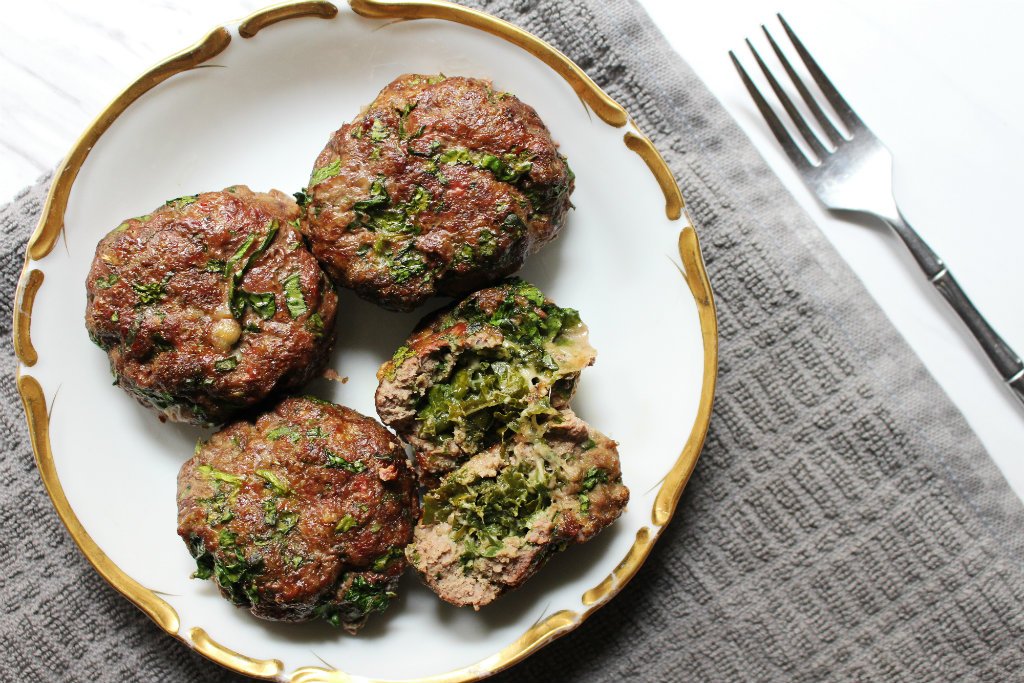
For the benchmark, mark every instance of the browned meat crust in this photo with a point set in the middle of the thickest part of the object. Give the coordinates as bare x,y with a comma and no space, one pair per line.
501,360
302,514
440,186
496,520
210,303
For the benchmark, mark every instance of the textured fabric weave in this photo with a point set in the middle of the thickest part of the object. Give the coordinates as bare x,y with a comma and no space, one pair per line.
842,524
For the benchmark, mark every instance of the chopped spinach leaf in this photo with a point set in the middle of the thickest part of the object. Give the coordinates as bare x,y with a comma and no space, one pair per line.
336,461
182,201
379,131
262,303
378,197
233,572
293,296
367,597
381,563
346,523
284,430
106,282
329,171
315,324
406,263
280,486
150,293
484,512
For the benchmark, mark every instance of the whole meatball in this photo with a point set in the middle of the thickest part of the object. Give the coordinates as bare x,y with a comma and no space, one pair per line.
210,303
304,513
440,186
504,361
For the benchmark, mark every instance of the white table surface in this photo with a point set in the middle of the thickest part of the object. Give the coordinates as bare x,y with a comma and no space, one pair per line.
937,80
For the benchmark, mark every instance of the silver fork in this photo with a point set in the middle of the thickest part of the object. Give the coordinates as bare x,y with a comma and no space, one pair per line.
853,172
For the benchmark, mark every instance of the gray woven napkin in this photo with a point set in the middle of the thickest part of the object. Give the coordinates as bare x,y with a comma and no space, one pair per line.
843,522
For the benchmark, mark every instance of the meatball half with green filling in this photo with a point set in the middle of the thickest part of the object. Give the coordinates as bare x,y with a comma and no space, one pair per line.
440,186
492,523
303,514
210,303
504,361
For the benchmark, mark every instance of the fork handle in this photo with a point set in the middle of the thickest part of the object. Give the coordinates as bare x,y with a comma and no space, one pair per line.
1006,362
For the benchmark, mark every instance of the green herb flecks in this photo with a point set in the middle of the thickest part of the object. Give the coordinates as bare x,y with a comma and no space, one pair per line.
382,562
181,202
524,317
403,116
236,266
226,364
218,475
282,521
489,393
479,400
218,506
379,213
281,431
263,304
378,197
484,250
591,480
514,225
484,512
329,171
293,296
106,282
406,263
401,355
150,293
233,572
338,462
508,167
279,485
367,597
346,523
361,598
315,324
379,131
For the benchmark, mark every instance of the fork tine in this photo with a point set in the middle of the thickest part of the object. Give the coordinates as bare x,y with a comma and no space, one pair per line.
794,152
833,134
845,112
787,104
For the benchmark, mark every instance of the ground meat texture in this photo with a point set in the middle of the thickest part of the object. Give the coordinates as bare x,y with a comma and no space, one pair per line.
303,514
503,361
210,303
492,523
440,186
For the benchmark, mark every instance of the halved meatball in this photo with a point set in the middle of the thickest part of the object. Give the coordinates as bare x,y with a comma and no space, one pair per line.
210,303
304,513
440,186
503,361
492,523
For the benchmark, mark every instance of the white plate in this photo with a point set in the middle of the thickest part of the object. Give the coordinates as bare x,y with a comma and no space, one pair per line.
259,116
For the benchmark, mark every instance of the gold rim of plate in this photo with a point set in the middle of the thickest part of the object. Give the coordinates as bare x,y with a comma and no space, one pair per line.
51,224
